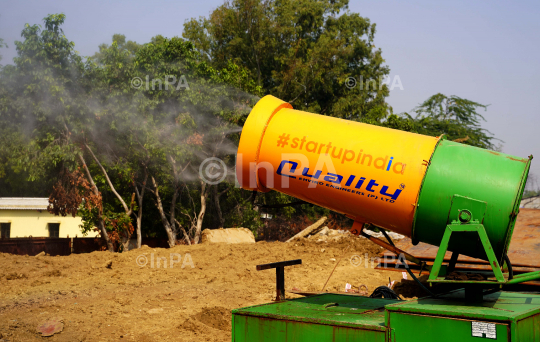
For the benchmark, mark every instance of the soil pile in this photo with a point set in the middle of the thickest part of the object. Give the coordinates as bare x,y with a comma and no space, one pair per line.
184,293
216,317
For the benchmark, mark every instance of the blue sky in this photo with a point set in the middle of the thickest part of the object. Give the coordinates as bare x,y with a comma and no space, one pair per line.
486,51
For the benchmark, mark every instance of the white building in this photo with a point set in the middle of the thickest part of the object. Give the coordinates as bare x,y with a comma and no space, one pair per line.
26,216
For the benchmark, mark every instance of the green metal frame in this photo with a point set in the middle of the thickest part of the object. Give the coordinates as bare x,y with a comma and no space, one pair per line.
474,226
470,227
471,222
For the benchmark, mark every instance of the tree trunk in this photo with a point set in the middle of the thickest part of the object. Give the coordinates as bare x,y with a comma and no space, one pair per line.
172,221
218,207
125,239
127,235
200,217
140,196
139,229
168,229
101,224
186,235
309,229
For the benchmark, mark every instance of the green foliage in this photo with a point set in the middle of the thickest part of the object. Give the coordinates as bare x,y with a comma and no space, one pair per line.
2,44
40,97
530,193
127,48
456,117
54,105
302,52
532,188
116,223
299,51
190,104
48,49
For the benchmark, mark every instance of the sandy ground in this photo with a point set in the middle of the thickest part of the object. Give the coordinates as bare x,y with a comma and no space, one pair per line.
109,297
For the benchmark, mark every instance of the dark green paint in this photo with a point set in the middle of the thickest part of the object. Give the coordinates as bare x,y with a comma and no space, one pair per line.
249,328
445,318
419,328
327,317
499,306
350,311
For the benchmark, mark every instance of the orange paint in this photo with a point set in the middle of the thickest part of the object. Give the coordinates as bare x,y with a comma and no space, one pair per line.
349,167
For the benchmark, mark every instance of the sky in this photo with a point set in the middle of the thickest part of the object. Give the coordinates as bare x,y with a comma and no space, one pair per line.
485,51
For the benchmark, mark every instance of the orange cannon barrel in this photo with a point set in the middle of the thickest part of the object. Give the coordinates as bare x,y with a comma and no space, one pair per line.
369,173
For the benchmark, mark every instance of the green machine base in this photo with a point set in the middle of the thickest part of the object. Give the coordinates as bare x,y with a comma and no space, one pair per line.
500,316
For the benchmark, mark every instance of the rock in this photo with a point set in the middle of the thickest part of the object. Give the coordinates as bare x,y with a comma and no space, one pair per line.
155,311
108,264
333,232
41,254
392,235
324,231
228,235
50,327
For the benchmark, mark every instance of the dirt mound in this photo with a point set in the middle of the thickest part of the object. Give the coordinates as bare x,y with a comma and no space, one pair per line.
190,325
187,298
353,243
216,317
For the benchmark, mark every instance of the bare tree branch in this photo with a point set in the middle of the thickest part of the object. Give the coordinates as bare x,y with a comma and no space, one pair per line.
128,210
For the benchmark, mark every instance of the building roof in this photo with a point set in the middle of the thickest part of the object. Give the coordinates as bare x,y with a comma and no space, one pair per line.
24,203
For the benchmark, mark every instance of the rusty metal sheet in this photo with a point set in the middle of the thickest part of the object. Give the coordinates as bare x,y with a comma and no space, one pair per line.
34,246
459,267
155,242
86,244
524,252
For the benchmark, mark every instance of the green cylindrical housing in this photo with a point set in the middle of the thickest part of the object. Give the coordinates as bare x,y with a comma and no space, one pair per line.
487,183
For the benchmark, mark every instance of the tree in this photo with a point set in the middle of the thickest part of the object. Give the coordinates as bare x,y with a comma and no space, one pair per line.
44,101
139,139
122,137
316,55
454,116
197,115
532,188
127,48
301,51
2,44
119,138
